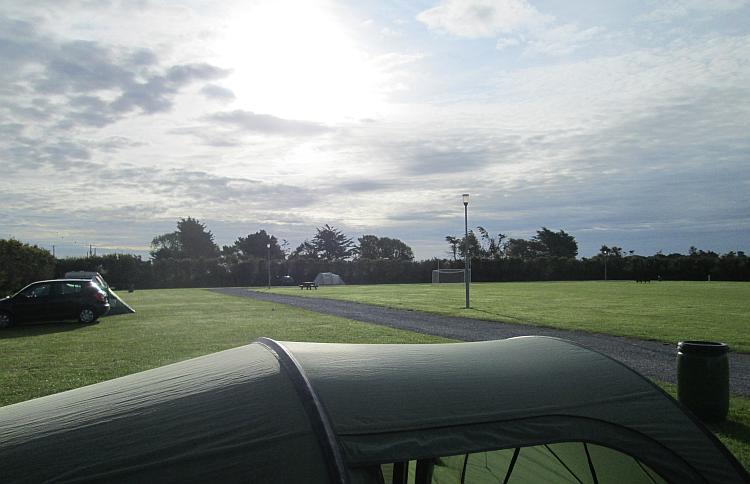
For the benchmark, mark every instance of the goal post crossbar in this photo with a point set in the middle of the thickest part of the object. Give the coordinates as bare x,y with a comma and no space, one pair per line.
440,276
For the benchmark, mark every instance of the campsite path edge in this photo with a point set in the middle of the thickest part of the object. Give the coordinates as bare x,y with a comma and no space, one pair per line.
653,359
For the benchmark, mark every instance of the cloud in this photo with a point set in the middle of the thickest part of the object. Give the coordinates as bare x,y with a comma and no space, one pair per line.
483,18
101,83
505,42
364,185
157,93
117,143
562,39
249,122
212,91
23,153
671,10
513,22
53,90
214,192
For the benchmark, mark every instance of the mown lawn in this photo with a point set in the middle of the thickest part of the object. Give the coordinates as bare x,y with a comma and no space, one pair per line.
169,326
662,311
173,325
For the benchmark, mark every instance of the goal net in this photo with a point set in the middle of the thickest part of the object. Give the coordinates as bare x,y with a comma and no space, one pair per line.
442,276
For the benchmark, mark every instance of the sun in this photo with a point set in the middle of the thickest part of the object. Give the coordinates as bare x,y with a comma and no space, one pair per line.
298,60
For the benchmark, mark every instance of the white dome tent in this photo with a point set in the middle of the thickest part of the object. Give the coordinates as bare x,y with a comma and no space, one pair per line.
328,279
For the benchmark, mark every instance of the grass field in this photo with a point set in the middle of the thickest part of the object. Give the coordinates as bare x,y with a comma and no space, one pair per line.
173,325
662,311
169,326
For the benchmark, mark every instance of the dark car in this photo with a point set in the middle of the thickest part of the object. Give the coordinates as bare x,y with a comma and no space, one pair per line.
55,300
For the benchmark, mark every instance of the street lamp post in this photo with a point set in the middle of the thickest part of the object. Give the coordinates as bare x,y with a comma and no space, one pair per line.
606,255
268,248
467,272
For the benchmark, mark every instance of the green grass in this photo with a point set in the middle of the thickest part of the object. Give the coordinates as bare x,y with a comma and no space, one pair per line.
662,311
734,432
173,325
169,326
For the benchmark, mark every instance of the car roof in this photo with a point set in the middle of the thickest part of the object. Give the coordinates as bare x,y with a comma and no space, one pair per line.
61,280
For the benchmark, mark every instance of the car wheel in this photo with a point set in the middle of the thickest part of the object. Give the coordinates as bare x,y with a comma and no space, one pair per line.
86,315
6,320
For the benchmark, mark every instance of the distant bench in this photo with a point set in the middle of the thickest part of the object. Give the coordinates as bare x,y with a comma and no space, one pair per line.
308,285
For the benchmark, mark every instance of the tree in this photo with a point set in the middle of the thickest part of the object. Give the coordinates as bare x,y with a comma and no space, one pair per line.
196,240
368,247
557,244
373,247
475,248
191,240
493,248
453,242
331,244
166,246
459,246
21,264
305,250
615,251
523,249
254,245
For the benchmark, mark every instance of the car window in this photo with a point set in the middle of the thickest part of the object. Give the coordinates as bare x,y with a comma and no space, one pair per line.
42,290
70,288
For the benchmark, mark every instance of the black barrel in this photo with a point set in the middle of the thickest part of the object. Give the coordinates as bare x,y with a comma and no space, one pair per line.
703,378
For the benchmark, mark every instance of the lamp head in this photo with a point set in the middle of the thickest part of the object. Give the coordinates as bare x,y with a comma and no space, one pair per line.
466,198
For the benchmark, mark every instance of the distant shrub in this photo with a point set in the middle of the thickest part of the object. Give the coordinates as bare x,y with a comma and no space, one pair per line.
21,264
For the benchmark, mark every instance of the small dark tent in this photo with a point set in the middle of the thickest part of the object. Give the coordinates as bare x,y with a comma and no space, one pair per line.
529,409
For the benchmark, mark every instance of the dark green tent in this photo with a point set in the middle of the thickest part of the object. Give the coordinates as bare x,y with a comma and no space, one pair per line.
529,409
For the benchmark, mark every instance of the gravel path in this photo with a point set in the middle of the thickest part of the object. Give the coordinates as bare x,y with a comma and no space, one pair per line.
652,359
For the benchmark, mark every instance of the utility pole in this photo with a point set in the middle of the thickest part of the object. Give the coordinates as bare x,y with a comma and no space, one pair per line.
467,271
268,248
606,255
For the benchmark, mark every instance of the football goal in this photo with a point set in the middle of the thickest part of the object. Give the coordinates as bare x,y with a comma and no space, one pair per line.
442,276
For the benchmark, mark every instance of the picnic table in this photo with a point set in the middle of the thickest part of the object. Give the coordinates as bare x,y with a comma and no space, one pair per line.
308,285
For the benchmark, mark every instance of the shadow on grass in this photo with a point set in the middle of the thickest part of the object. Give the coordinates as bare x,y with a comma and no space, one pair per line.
38,329
731,429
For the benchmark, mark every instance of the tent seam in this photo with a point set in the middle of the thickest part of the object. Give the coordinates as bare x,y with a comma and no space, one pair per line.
314,408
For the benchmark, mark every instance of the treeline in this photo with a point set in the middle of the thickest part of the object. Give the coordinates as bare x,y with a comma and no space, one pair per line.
21,264
675,267
123,270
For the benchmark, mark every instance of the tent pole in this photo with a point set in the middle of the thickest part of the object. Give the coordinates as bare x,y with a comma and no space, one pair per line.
463,471
591,464
564,465
512,464
400,472
423,473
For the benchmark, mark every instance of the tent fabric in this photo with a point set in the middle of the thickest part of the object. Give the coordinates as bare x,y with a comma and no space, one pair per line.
117,305
227,417
314,412
328,279
388,402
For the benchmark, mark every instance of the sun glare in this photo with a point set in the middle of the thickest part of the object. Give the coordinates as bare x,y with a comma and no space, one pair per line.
296,60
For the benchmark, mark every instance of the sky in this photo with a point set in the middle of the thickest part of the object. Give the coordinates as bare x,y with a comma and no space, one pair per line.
624,122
